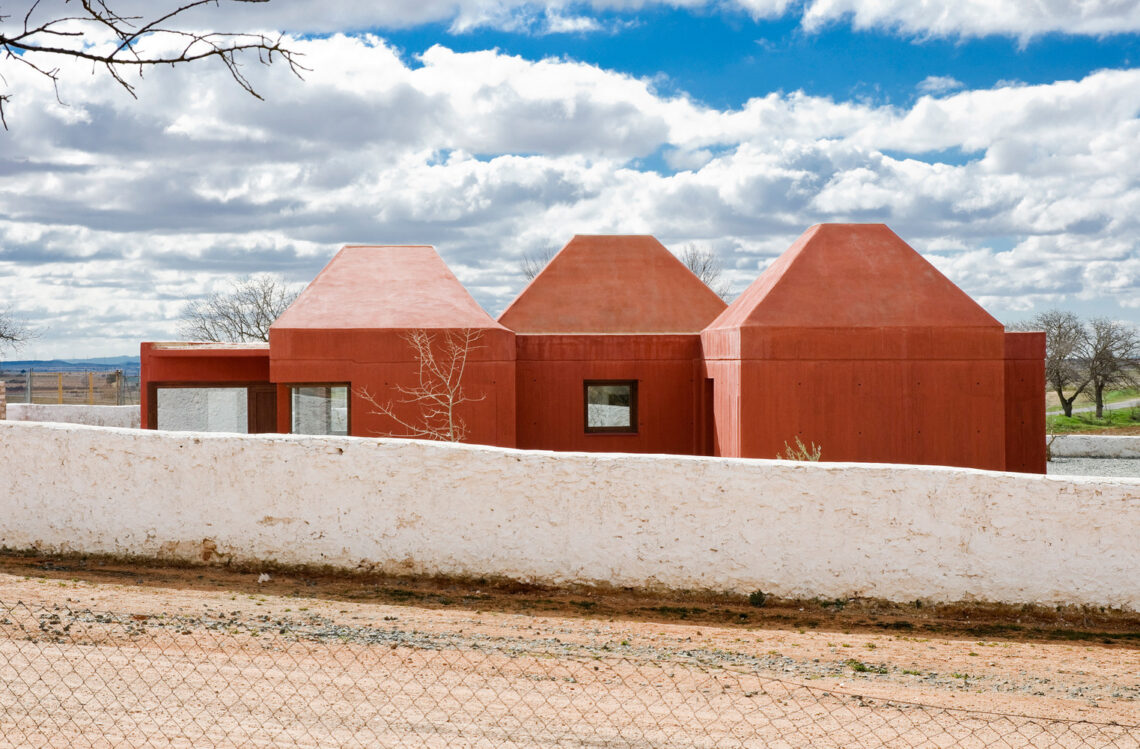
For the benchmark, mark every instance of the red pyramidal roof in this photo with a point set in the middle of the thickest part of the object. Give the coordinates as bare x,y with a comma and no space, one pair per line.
852,276
613,284
385,287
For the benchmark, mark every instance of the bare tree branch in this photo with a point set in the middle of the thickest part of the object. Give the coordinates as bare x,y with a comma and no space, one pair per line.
40,40
706,266
241,315
1114,353
531,264
441,360
14,333
1066,353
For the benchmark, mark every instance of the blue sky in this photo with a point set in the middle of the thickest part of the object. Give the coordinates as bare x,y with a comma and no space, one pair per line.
1002,140
725,58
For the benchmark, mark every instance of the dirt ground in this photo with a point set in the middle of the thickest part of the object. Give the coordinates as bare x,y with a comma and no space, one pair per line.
485,663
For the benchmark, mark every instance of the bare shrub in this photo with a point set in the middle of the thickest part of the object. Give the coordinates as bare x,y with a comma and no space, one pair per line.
441,359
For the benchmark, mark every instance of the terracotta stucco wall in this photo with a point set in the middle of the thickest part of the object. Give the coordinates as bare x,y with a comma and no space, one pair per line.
925,396
1025,402
919,412
378,362
551,372
190,363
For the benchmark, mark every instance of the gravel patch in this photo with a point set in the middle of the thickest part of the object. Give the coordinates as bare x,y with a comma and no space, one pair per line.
1110,467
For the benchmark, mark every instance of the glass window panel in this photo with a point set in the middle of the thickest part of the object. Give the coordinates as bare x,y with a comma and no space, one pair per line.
203,409
609,406
320,409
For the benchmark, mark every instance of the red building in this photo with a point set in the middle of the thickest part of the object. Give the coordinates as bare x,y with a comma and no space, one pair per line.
850,340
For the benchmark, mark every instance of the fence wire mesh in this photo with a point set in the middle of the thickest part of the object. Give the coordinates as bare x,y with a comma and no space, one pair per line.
77,677
104,388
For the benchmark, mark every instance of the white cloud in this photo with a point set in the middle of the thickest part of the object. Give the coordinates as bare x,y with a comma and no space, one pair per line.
115,211
1021,19
938,84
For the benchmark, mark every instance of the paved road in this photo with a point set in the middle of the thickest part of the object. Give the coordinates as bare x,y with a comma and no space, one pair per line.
1131,402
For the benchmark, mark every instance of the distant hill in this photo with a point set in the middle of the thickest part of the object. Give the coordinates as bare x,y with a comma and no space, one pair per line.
129,365
117,361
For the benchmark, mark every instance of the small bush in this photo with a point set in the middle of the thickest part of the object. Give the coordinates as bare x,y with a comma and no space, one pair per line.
863,668
757,598
800,451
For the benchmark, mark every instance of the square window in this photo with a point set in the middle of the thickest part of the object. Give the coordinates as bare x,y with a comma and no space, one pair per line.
611,406
320,409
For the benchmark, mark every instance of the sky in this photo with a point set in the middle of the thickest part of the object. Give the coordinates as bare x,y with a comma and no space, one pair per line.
999,139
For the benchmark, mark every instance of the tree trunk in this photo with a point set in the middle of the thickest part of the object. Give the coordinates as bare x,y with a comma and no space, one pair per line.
1098,393
1066,403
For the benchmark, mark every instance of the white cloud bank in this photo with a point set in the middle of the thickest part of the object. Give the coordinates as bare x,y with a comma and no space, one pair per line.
113,212
1021,19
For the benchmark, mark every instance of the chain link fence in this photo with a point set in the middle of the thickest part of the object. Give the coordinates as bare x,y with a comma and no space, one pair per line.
77,677
105,388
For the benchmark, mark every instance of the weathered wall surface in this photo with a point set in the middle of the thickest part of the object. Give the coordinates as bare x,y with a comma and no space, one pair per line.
98,416
898,532
201,409
1095,446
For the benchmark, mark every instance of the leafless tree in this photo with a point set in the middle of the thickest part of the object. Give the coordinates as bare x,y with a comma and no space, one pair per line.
706,266
14,333
1113,355
43,37
1066,353
242,315
532,264
438,394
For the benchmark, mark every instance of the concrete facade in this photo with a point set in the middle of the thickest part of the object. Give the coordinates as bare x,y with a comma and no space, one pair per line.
791,529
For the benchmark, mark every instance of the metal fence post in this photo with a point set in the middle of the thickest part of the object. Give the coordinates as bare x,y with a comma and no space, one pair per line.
28,385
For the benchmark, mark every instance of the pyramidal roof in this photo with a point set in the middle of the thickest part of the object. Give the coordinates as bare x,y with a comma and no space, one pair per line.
389,286
851,276
613,284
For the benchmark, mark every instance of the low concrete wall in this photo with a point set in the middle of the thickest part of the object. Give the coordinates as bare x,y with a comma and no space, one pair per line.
1095,446
96,416
793,529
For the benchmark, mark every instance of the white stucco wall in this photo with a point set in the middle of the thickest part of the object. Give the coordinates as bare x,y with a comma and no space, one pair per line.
203,409
1095,446
796,529
99,416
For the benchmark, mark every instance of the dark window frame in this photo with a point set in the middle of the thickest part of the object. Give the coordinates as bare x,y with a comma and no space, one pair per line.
347,403
633,421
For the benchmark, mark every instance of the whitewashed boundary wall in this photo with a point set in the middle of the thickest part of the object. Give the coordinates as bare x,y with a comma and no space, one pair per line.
96,416
793,529
1095,446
